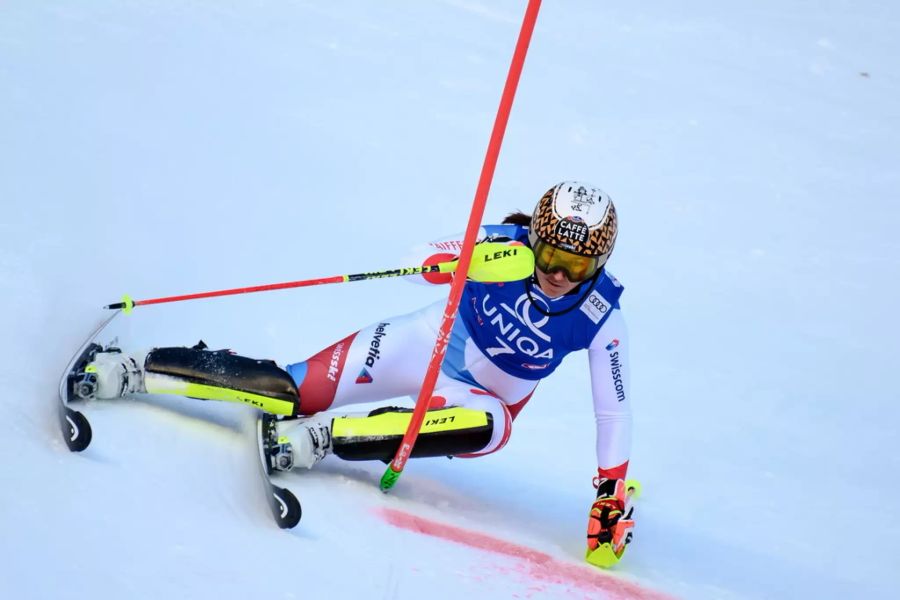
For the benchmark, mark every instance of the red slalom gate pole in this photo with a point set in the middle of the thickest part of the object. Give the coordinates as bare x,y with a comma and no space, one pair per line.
392,474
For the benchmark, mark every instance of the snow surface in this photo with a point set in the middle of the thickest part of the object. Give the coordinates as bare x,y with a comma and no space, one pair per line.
168,147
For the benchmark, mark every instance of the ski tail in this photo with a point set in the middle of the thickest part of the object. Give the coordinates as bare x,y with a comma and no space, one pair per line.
75,427
283,503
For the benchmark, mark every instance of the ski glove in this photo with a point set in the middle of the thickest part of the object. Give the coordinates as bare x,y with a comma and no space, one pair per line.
610,522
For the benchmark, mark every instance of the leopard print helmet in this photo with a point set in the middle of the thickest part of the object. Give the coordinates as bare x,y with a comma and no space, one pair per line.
576,217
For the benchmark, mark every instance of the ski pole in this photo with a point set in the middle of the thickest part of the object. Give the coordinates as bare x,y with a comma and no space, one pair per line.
492,262
467,259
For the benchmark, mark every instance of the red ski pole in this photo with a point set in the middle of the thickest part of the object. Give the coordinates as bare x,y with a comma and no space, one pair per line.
392,474
492,262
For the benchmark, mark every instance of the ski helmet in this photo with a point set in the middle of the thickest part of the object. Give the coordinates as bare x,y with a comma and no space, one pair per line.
573,229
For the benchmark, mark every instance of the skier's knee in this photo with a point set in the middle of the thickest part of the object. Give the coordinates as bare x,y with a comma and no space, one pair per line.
499,437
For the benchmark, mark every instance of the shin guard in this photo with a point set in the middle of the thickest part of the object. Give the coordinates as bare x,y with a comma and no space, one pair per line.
220,375
445,432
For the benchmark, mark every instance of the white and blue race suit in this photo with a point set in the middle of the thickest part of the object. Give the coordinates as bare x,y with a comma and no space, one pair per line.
506,338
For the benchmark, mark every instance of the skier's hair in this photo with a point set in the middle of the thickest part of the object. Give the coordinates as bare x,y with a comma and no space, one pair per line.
517,218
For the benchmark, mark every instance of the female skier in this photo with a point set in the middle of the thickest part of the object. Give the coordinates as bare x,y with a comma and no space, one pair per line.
506,338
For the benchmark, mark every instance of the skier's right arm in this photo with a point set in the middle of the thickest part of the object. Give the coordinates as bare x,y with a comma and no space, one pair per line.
448,249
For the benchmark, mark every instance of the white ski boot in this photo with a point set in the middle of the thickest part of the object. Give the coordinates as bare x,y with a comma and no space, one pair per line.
302,442
111,374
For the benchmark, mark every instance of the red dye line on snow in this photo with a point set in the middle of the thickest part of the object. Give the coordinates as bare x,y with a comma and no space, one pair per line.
537,565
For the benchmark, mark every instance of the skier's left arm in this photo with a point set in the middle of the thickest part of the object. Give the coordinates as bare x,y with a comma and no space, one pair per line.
608,358
608,527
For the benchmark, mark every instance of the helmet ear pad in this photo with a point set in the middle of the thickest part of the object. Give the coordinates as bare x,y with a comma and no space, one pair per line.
576,217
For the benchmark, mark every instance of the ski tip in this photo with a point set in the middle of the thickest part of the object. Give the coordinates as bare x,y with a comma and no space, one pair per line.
286,508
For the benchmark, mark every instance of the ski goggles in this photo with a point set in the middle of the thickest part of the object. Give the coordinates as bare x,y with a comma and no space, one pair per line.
551,259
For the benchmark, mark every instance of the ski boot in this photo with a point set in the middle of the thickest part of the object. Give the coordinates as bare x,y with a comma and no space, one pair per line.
110,373
300,442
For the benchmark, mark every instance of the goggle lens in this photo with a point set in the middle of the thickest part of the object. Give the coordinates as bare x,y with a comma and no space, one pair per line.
550,259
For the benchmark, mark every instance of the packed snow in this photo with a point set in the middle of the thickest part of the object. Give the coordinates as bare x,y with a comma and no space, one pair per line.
166,147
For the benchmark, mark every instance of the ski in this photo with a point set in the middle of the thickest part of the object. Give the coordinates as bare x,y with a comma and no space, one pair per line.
76,429
284,505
